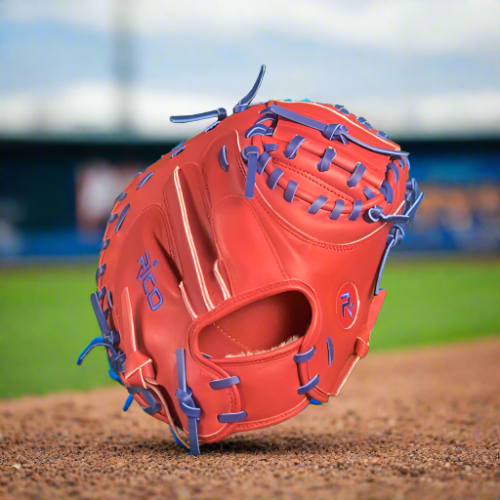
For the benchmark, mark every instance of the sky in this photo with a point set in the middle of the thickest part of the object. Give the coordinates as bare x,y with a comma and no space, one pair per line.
412,68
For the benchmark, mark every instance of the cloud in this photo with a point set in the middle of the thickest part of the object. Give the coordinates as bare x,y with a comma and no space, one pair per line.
440,115
94,107
405,27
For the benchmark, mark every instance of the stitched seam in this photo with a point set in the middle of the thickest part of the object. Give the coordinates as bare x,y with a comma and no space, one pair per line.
271,246
259,291
187,232
168,236
205,193
211,220
330,107
231,338
340,147
259,361
308,176
322,391
249,295
283,273
217,246
175,253
326,246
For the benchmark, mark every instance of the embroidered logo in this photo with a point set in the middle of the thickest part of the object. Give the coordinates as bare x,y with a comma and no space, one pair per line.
347,305
155,299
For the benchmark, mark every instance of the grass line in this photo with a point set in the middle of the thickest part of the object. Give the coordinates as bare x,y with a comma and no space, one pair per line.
46,318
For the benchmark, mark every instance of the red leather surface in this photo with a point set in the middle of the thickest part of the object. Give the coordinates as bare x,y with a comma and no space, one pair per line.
225,266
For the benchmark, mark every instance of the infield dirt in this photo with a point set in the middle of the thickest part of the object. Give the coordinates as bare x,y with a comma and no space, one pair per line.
412,424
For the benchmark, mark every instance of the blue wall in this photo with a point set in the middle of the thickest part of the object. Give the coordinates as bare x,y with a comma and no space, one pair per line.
461,179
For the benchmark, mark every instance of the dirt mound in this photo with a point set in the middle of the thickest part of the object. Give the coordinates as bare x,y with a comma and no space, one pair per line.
414,424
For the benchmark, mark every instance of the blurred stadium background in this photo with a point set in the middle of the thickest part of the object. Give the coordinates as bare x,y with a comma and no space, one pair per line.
86,91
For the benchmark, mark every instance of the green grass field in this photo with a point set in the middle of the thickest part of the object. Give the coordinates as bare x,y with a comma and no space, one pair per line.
46,318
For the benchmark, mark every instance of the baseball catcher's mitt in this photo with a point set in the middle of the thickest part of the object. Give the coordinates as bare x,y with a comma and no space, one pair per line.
239,276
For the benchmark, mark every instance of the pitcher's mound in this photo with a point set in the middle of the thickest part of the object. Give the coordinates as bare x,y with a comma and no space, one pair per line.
414,424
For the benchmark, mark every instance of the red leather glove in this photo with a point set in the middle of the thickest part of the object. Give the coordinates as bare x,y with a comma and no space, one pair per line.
239,276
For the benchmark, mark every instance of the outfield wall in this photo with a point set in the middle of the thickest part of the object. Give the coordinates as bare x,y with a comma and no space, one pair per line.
55,195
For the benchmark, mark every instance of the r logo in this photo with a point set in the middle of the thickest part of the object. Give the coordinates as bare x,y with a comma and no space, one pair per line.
347,305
